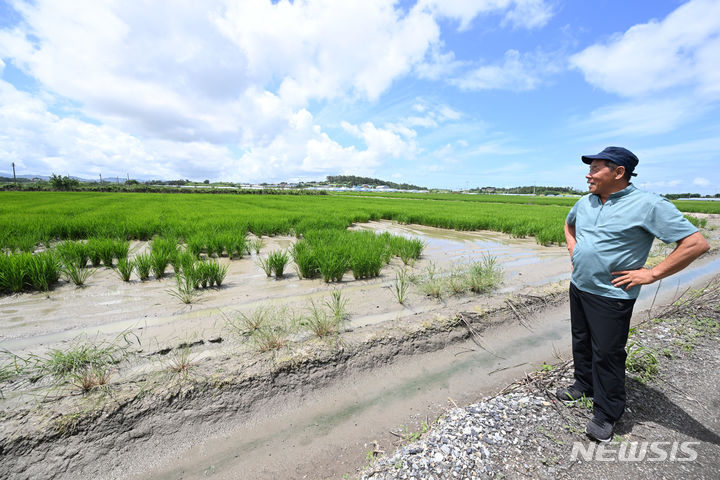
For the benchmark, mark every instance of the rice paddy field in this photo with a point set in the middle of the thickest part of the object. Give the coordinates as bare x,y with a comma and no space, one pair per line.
107,296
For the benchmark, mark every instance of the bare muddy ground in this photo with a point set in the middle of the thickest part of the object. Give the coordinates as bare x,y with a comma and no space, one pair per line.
310,410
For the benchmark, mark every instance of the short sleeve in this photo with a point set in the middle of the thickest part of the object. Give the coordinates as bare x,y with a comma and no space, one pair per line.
570,219
667,223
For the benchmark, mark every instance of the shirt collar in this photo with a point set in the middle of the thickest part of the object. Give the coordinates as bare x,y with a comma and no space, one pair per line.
622,192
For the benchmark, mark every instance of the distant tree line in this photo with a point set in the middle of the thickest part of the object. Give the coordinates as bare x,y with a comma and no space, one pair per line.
538,190
675,196
353,181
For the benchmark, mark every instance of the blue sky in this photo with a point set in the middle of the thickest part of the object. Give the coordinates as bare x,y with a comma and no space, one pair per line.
440,93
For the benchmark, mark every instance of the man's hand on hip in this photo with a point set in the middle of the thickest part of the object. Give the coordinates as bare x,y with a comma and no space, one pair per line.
633,278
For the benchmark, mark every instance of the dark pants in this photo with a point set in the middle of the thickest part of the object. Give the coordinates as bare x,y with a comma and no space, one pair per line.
600,328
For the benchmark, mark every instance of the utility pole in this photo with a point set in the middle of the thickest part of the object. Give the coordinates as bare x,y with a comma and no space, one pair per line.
101,179
14,178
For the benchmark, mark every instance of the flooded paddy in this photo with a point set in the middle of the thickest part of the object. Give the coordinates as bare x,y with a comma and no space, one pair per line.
318,424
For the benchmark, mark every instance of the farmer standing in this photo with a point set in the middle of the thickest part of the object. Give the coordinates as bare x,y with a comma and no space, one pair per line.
609,234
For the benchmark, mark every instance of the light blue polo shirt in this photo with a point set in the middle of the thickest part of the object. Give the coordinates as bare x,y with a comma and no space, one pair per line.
618,236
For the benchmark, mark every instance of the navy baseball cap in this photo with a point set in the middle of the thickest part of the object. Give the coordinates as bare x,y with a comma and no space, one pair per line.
617,155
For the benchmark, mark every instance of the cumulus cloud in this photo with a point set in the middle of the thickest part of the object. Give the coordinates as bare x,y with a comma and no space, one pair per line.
702,182
681,50
226,86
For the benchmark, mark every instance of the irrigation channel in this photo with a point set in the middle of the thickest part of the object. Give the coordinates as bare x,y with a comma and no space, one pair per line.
398,366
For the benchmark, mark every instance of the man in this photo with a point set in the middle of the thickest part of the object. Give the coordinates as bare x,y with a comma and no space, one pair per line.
609,234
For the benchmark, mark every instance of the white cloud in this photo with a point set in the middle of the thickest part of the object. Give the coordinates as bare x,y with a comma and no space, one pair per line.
640,118
681,50
519,13
517,72
702,182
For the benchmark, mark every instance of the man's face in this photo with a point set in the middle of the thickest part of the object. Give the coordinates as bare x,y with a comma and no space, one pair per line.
601,180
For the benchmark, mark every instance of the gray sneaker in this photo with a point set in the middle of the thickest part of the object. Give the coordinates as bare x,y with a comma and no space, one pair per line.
570,394
600,430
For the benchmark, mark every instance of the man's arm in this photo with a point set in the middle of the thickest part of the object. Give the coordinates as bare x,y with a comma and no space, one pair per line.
687,250
570,237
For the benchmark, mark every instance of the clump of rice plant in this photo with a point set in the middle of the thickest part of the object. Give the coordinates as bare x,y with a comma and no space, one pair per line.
217,272
278,260
77,275
333,263
143,265
485,275
306,260
185,288
337,304
159,262
125,268
401,285
254,245
195,245
121,249
73,252
106,248
234,244
366,262
85,364
26,271
264,263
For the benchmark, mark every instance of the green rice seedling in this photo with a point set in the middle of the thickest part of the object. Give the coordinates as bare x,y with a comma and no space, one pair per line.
401,285
278,260
121,249
74,252
77,275
105,248
485,275
14,271
305,259
43,271
159,262
366,262
319,322
255,245
337,304
218,273
333,263
202,274
234,244
264,263
245,324
196,245
143,264
125,268
213,246
94,250
410,250
185,289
